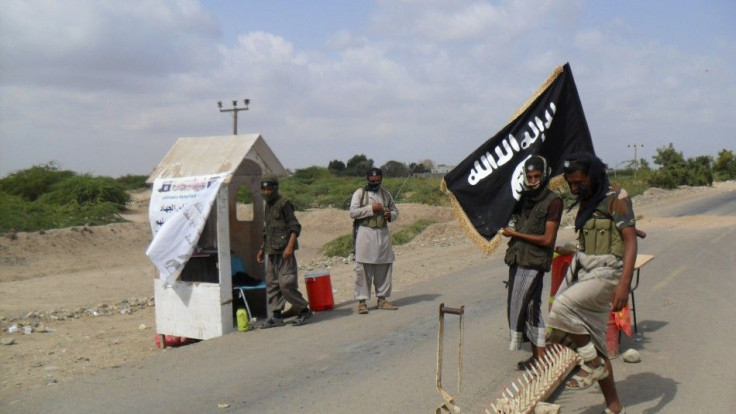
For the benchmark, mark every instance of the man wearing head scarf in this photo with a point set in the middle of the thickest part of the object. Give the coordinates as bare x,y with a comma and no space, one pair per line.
536,219
599,278
279,243
372,208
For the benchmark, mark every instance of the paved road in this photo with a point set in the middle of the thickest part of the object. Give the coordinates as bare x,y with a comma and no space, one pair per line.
385,361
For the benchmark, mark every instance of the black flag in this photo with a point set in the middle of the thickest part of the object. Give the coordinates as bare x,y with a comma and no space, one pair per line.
486,185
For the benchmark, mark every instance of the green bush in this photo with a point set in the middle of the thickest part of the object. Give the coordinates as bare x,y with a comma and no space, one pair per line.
724,166
318,187
17,214
84,189
35,181
44,197
133,182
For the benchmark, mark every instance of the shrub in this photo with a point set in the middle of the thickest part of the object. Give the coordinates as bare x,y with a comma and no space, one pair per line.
18,214
35,181
84,189
133,182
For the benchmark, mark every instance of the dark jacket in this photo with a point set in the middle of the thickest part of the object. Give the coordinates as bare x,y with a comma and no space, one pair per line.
280,223
528,254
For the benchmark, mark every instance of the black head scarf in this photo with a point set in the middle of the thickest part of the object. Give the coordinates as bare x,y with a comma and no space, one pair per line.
588,198
374,185
536,163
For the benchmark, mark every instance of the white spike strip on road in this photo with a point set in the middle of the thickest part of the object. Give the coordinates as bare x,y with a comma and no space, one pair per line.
537,383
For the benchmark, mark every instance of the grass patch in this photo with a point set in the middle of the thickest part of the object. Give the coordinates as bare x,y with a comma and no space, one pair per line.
407,234
343,245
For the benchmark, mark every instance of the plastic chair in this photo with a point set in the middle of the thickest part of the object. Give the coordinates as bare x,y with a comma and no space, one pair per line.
241,292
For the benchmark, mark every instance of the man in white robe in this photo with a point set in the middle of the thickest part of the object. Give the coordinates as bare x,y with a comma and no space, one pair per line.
372,208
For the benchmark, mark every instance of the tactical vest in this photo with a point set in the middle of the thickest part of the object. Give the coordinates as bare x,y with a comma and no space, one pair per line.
600,235
528,254
376,221
276,232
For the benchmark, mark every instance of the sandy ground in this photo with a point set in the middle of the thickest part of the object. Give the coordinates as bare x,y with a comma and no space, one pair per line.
85,294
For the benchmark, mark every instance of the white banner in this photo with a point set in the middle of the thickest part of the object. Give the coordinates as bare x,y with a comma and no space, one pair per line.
177,213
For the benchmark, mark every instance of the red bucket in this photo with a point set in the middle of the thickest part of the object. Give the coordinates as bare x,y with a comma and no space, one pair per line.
319,290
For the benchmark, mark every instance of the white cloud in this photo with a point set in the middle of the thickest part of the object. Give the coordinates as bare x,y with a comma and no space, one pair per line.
102,45
109,86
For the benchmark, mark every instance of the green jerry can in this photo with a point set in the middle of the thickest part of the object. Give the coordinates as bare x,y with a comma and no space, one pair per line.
243,322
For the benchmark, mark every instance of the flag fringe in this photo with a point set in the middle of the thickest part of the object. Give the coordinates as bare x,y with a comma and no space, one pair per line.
487,246
555,73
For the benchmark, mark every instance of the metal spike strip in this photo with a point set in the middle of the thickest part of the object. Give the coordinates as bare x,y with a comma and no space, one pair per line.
537,383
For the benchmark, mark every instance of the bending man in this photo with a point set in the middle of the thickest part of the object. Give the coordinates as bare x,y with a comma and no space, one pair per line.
599,278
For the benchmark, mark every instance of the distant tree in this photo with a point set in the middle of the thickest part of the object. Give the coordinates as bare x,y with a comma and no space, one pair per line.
336,166
668,157
700,170
675,170
310,174
356,159
428,165
395,169
417,168
358,165
725,165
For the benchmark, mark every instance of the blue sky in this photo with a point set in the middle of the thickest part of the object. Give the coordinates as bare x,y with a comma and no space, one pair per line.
106,87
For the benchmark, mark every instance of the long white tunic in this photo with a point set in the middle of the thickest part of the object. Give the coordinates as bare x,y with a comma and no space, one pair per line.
373,245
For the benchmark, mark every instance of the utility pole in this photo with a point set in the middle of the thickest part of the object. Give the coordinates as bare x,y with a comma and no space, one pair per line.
635,162
235,111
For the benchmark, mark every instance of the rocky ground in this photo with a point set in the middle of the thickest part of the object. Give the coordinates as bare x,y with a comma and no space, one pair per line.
78,300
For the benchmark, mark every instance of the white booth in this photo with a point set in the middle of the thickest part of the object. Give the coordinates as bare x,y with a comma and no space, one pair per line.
193,240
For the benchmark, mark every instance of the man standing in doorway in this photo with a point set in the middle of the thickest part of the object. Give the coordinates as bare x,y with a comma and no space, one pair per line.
529,255
372,208
279,243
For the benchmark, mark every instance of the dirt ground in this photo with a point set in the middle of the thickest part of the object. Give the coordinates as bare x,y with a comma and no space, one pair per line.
78,300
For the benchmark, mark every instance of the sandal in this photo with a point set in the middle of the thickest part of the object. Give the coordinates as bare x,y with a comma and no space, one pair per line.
362,308
289,313
526,364
272,322
303,317
594,374
385,305
608,411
